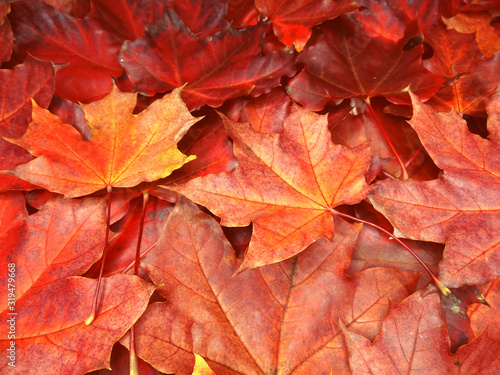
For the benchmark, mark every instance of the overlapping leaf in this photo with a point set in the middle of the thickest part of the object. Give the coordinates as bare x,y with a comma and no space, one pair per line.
121,251
292,20
262,321
125,149
32,79
87,52
128,17
414,339
470,75
287,184
479,23
461,207
218,68
51,331
346,63
210,143
61,240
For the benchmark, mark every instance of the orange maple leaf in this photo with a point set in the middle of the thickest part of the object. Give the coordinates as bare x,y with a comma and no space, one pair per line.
124,151
287,184
460,208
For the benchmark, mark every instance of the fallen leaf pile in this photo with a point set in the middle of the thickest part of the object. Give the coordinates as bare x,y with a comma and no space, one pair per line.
310,187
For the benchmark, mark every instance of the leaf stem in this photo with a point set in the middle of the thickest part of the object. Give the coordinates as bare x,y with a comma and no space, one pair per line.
91,317
134,367
143,254
413,157
403,167
438,283
145,199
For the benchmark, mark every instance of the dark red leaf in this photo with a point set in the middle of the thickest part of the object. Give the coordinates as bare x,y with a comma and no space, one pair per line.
86,51
213,70
292,22
347,63
6,38
209,141
129,18
470,75
202,17
454,310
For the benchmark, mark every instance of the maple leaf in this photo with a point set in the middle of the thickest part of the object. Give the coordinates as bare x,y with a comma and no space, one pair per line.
209,141
128,17
125,149
458,209
61,240
88,52
32,79
228,65
320,306
413,338
286,184
292,23
347,63
268,112
388,19
470,76
51,330
479,23
262,321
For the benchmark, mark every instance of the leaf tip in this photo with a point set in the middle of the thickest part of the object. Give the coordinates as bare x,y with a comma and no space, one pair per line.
244,266
90,319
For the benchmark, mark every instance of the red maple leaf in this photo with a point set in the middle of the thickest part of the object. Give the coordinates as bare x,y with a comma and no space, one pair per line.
86,52
215,69
292,20
444,210
347,63
272,272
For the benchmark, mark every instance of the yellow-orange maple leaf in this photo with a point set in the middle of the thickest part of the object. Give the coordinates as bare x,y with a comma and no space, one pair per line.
125,149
